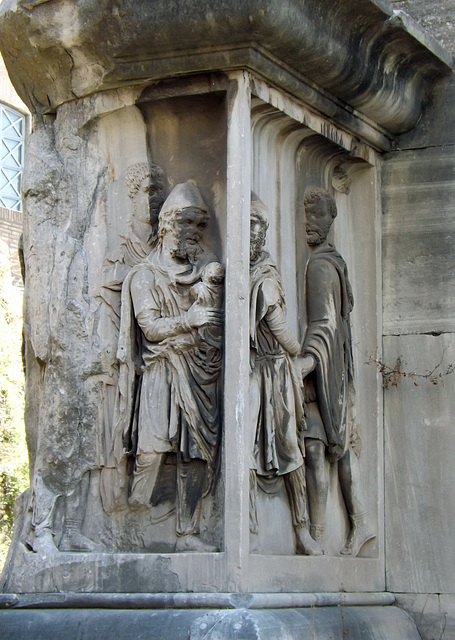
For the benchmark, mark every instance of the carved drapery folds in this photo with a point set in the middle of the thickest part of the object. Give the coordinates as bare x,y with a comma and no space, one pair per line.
167,402
139,412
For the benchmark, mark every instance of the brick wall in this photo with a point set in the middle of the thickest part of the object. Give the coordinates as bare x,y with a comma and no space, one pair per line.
10,231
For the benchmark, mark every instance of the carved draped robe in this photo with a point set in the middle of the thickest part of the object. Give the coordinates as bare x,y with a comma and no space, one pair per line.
328,339
167,398
275,396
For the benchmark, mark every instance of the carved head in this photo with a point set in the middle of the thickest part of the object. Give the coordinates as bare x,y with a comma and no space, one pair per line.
183,219
145,186
320,212
213,273
258,227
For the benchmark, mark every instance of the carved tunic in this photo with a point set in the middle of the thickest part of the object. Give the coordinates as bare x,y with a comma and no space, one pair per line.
177,407
328,339
275,400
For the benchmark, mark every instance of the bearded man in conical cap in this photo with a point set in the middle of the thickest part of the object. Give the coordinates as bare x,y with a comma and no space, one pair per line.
175,407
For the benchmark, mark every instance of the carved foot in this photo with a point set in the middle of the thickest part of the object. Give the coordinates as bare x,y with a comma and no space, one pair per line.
317,532
43,542
305,544
361,532
192,543
77,542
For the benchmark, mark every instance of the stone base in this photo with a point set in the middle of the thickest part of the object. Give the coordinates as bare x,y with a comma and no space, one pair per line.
40,618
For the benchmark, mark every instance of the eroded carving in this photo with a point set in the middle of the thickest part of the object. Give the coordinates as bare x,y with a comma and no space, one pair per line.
276,403
327,368
145,185
169,349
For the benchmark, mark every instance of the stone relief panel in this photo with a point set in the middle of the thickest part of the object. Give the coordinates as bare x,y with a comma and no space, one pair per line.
276,401
163,293
339,488
327,368
142,291
169,350
136,456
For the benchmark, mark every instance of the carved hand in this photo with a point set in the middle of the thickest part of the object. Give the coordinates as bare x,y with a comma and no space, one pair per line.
202,316
307,365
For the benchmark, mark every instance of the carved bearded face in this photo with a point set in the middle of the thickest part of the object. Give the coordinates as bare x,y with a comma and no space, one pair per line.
318,221
257,238
187,230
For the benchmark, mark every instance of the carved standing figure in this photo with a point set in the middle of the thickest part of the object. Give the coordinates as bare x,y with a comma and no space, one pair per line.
328,372
145,187
168,391
275,392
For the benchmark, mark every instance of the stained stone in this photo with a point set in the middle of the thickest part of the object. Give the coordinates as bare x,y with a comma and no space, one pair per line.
203,401
358,623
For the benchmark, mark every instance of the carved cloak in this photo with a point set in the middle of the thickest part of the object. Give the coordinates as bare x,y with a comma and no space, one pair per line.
167,395
275,395
328,338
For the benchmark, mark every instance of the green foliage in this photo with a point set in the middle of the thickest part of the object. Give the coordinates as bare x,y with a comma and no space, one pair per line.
13,452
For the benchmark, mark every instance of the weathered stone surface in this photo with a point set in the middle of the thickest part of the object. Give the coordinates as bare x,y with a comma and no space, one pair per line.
418,206
194,600
436,16
319,623
418,240
81,208
307,106
91,46
419,470
433,614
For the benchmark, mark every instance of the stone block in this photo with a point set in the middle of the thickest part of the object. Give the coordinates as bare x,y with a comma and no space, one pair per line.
419,471
433,613
418,190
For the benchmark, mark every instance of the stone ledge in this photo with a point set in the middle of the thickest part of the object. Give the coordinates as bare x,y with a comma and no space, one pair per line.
323,623
192,600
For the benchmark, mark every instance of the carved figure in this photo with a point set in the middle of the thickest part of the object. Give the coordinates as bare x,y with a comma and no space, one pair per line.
210,293
146,191
168,390
328,371
275,392
145,185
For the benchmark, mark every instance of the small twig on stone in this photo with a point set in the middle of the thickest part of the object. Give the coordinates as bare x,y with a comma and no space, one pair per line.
391,375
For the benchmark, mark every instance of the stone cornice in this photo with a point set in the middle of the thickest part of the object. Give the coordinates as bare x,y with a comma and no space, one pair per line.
356,59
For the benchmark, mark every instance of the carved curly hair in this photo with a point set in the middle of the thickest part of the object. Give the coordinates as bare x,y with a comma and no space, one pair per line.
138,172
315,194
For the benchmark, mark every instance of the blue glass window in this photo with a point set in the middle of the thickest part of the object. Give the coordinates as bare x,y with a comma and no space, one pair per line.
12,131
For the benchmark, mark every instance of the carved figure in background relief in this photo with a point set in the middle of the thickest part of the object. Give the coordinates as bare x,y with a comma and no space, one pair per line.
276,403
170,362
328,372
145,186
